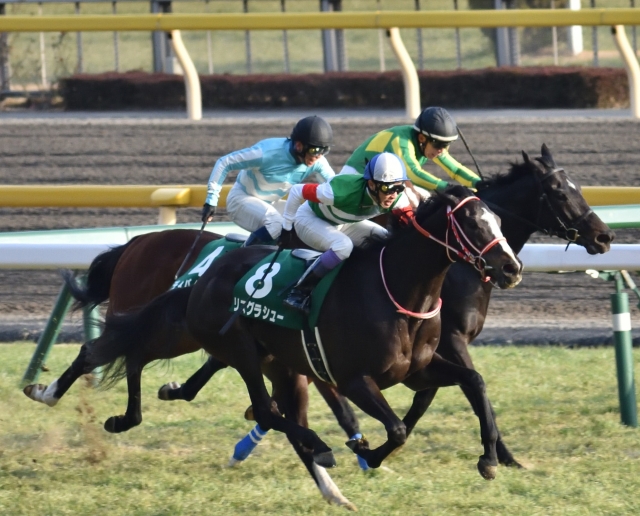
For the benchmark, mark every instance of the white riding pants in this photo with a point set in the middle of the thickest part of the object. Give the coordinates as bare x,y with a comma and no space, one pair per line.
251,213
319,234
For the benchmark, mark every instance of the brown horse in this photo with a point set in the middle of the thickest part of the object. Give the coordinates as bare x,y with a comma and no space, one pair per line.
533,195
379,324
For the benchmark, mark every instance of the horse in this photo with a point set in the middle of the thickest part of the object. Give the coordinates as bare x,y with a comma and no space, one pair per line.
379,325
534,195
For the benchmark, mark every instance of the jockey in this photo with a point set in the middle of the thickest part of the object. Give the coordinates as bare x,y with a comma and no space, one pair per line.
267,172
335,216
428,139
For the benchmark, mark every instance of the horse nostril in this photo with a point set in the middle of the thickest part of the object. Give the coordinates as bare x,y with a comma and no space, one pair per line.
605,238
510,269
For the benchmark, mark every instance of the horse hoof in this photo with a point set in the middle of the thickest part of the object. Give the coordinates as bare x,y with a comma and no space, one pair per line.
512,463
41,393
117,424
248,414
325,459
165,392
486,469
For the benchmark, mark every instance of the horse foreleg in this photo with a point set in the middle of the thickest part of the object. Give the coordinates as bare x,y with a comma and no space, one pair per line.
421,402
364,392
291,395
442,373
345,415
51,394
133,416
456,350
188,391
266,413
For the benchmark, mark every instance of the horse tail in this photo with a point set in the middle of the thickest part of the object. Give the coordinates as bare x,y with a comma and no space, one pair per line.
134,339
95,289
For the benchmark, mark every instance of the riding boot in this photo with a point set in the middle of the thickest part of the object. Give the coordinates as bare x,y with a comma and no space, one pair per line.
299,298
259,237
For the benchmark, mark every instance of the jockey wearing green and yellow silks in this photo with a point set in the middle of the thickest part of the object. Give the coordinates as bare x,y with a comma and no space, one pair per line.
428,139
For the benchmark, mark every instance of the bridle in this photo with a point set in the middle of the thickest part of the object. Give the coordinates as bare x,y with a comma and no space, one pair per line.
570,234
464,253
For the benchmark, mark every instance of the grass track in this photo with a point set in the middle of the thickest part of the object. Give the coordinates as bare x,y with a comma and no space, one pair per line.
558,409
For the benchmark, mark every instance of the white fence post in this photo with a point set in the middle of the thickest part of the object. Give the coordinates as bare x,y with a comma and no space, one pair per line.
409,74
191,79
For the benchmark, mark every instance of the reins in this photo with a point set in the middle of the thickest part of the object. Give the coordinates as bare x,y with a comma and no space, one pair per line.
464,253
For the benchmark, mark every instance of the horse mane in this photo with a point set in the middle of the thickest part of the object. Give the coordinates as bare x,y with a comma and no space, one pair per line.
515,172
424,210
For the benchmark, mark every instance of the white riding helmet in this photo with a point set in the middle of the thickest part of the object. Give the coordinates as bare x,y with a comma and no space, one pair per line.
386,167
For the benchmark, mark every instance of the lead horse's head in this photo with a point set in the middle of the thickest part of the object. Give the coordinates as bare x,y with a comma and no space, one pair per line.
563,211
473,235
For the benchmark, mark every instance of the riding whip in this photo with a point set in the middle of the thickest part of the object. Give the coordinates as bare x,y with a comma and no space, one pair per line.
470,153
259,284
193,246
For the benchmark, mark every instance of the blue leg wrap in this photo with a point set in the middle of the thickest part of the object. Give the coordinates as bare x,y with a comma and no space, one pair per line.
248,443
361,462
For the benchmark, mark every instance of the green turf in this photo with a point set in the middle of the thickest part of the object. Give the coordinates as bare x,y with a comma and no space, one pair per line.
558,410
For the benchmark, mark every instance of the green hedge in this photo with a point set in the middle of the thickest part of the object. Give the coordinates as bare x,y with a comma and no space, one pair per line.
544,87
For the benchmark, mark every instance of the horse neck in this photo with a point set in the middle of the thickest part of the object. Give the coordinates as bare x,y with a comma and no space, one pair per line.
516,198
414,269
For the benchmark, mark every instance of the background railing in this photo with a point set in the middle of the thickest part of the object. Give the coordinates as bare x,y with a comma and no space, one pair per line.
35,60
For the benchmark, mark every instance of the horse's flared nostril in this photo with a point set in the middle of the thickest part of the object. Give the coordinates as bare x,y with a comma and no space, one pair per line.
605,238
511,269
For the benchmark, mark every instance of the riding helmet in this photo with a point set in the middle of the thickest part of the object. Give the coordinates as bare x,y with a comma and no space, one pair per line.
437,124
386,167
313,131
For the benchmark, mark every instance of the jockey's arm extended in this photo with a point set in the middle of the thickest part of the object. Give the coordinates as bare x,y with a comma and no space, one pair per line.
323,193
455,170
238,160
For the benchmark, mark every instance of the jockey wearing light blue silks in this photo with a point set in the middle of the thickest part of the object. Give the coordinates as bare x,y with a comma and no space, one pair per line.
267,171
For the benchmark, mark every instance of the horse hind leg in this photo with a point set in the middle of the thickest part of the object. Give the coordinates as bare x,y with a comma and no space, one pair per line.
133,415
174,391
51,394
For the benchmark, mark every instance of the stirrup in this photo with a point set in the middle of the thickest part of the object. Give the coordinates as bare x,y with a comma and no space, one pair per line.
298,301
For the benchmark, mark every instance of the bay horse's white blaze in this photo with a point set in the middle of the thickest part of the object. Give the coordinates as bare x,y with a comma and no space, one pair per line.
490,219
42,393
329,489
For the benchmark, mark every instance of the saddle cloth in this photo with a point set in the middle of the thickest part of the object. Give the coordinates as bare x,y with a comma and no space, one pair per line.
207,256
259,294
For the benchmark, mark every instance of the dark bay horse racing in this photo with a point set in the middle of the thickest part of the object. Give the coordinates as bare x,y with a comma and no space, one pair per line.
534,195
379,326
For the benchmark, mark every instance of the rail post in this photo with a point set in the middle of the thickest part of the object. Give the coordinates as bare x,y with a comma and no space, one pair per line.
623,348
409,74
631,65
48,336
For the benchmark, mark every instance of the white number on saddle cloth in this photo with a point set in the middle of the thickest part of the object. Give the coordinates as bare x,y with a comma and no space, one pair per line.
254,281
202,267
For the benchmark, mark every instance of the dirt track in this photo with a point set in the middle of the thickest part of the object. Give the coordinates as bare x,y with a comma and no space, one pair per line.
570,308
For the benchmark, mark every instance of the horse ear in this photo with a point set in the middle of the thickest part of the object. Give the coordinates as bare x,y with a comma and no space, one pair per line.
547,158
526,157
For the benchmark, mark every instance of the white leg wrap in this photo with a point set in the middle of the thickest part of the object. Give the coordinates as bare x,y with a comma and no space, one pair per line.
329,489
44,394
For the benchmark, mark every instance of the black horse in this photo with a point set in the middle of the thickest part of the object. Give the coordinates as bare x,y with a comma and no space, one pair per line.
379,326
535,195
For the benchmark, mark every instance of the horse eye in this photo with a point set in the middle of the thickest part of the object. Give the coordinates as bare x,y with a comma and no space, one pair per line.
560,195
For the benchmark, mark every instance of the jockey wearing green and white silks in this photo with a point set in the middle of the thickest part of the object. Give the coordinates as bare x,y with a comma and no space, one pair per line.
336,216
428,139
266,173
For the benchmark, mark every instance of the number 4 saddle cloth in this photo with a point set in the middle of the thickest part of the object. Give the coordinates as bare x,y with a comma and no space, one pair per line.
260,293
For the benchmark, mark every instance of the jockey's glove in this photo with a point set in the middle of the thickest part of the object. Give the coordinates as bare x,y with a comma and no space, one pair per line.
286,237
208,212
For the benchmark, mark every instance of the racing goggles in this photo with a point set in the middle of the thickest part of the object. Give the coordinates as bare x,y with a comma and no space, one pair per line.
317,151
439,144
391,188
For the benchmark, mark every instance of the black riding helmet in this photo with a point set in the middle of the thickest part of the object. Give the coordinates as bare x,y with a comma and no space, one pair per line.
437,124
313,132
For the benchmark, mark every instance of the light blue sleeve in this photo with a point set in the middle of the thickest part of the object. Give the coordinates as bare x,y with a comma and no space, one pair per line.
238,160
323,170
